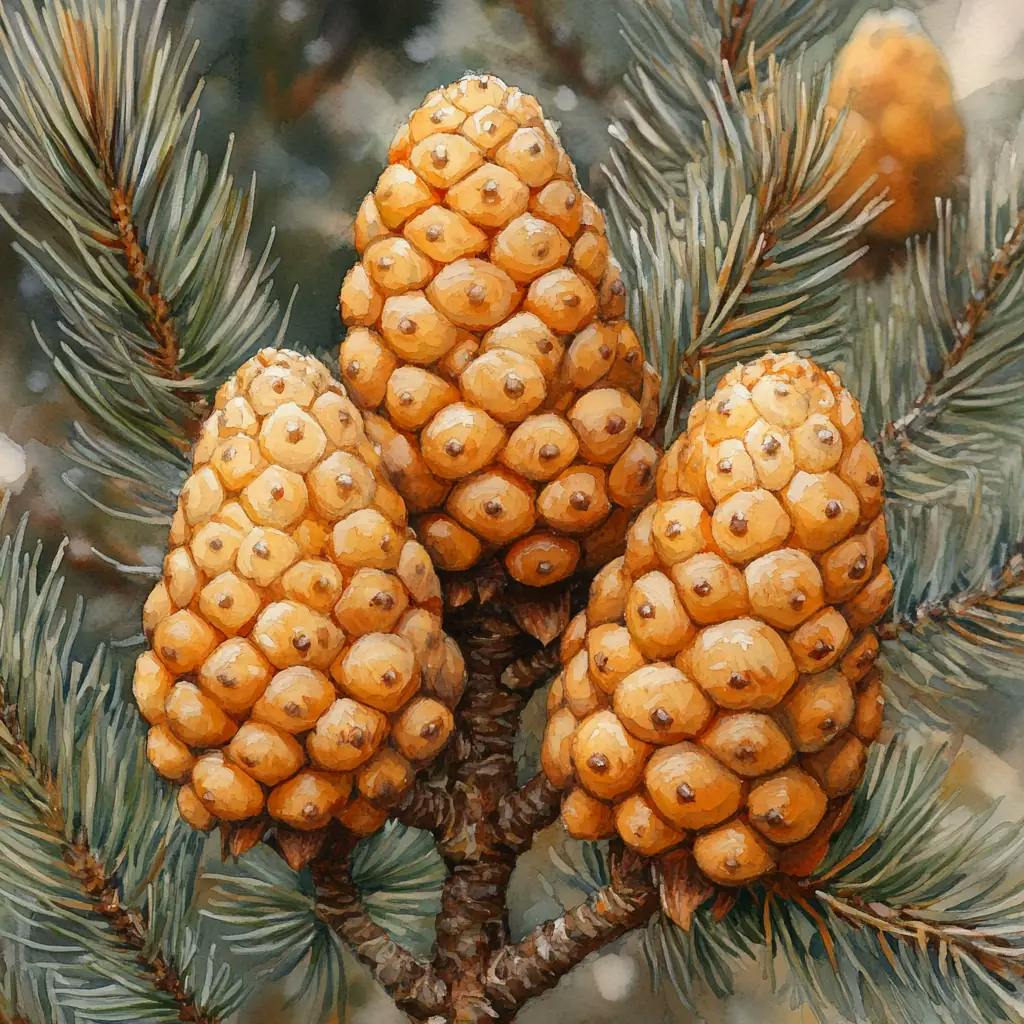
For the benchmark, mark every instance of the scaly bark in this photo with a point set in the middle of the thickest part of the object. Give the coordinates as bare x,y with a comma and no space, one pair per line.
521,971
412,984
473,918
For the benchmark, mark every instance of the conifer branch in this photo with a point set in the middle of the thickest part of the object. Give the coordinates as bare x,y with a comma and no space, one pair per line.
157,294
735,252
526,811
412,984
521,971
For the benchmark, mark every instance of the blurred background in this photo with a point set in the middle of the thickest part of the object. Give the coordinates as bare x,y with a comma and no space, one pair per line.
311,92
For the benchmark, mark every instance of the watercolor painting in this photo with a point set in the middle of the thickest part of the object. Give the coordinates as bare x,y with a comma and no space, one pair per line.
510,511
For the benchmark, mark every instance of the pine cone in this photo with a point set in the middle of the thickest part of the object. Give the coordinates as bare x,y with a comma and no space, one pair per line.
296,661
510,399
719,690
901,108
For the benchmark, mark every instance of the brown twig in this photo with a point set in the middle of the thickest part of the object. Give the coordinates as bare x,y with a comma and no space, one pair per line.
966,326
413,985
567,55
734,33
901,923
100,887
523,813
521,971
157,317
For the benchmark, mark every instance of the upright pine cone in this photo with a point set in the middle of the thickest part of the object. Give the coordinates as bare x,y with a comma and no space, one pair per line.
719,688
296,662
510,399
900,98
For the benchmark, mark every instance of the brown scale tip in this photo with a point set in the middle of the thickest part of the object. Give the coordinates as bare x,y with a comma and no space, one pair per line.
833,508
702,589
389,677
826,436
344,481
228,454
430,730
821,650
301,642
781,390
260,550
476,294
601,661
535,149
797,601
738,681
731,863
277,492
615,425
310,812
866,658
544,568
493,507
352,370
673,529
405,398
490,127
437,116
579,501
248,760
514,385
570,200
725,465
406,325
490,189
827,724
617,288
454,448
542,250
383,600
216,544
277,386
738,524
631,356
685,793
225,601
548,452
227,680
605,352
661,719
872,479
385,263
439,155
292,709
357,738
570,299
598,763
294,432
646,611
775,817
723,408
544,346
858,568
434,232
771,445
744,752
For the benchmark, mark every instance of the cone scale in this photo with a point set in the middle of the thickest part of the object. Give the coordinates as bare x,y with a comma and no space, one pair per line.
718,693
296,667
487,345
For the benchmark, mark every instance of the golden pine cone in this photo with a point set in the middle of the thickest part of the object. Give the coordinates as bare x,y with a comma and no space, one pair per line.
897,87
719,689
296,663
487,343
